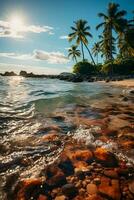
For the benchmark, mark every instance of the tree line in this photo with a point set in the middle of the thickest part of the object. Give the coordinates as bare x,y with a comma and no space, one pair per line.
116,40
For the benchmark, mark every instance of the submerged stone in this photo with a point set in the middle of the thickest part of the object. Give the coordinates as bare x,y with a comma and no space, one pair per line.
69,190
105,157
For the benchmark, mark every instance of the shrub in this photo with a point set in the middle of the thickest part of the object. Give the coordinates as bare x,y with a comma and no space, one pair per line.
119,67
84,68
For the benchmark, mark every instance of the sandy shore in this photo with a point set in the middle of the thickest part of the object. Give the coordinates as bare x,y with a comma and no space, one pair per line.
126,83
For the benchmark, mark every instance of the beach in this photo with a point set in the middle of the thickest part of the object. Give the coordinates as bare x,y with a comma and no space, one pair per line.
125,83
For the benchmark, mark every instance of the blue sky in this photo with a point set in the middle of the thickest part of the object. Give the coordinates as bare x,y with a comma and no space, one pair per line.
32,31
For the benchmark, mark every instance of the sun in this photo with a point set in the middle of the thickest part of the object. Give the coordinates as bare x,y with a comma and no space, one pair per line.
16,23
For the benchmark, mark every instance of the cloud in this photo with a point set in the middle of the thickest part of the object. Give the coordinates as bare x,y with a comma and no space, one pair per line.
17,56
64,37
7,29
50,57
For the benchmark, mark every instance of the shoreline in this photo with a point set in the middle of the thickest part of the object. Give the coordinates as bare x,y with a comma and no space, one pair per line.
125,83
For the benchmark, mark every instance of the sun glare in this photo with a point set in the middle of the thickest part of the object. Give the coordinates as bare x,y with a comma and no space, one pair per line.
16,23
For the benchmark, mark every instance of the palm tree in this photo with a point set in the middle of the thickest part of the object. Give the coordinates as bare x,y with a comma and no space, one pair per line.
96,50
126,40
113,20
105,47
80,34
74,52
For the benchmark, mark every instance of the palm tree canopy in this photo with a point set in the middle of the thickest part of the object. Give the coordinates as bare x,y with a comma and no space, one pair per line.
96,48
80,32
113,18
74,52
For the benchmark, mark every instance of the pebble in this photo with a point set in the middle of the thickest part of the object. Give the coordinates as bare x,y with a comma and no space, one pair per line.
131,187
92,189
97,181
111,173
62,197
69,190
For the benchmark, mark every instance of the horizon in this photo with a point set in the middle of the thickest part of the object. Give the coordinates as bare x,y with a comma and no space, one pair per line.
33,34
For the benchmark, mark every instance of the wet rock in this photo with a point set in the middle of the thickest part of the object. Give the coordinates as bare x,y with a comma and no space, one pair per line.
50,137
125,99
97,181
107,159
127,144
110,189
80,175
80,166
92,189
62,197
42,197
131,92
66,165
31,188
55,176
58,118
82,155
116,123
94,197
48,129
111,174
131,186
69,190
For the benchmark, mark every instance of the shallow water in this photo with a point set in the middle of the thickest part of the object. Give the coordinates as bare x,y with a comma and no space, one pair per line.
30,108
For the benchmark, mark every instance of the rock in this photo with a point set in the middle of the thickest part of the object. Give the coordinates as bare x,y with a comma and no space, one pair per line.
82,155
131,92
82,191
66,165
69,190
92,189
55,176
58,118
50,137
106,158
80,175
110,189
97,181
116,123
62,197
111,174
125,99
131,186
42,197
80,166
32,188
94,197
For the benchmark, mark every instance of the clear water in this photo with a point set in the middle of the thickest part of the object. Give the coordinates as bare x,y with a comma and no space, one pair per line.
27,107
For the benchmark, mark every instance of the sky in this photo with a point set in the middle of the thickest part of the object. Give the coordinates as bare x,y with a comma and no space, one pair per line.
33,33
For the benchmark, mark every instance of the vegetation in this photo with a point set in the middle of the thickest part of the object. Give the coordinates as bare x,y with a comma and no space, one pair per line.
115,44
119,67
96,50
84,68
80,34
74,52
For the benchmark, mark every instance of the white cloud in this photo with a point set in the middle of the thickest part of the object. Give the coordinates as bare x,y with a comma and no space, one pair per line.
16,56
50,57
7,29
64,37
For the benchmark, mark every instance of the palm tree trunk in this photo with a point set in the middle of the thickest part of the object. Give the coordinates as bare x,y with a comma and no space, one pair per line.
75,59
111,53
89,53
82,50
